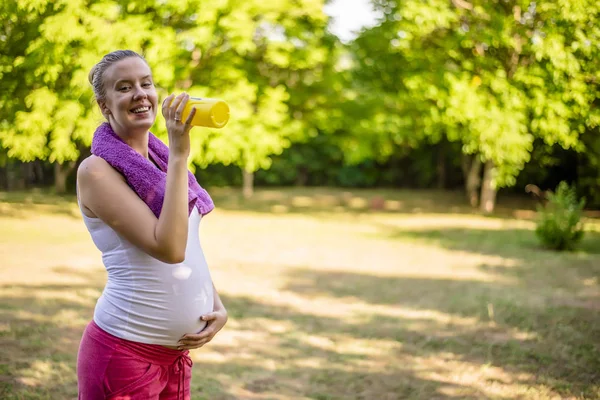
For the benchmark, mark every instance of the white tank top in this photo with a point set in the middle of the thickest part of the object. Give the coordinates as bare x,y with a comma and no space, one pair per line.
146,300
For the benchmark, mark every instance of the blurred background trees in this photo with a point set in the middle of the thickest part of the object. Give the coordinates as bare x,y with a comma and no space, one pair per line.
477,96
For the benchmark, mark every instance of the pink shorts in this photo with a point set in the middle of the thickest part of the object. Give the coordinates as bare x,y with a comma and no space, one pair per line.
112,368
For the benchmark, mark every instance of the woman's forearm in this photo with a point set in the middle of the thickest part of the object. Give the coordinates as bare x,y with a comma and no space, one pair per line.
172,227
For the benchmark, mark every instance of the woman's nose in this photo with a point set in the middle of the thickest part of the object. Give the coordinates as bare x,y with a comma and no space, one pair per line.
139,93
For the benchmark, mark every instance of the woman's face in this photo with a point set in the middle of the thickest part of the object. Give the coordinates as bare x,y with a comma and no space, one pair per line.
130,101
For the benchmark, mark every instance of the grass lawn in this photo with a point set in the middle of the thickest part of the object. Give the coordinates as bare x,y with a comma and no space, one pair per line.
329,299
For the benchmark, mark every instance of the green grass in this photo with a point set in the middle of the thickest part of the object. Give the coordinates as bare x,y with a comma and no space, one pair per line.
331,296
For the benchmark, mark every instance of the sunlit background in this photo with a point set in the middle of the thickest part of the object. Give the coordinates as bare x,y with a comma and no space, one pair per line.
407,192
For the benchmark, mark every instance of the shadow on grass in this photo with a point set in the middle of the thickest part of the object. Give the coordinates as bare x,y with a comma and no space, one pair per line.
528,332
45,323
543,324
288,200
319,372
37,196
20,204
39,347
559,353
521,243
309,200
326,200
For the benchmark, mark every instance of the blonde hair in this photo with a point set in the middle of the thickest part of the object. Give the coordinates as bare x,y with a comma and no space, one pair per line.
96,75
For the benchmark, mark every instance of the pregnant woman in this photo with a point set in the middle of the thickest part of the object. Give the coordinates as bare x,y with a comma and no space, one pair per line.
143,208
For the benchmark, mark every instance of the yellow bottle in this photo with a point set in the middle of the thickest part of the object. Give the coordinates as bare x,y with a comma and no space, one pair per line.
210,113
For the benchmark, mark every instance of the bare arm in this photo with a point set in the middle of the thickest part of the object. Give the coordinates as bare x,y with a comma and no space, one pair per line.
104,193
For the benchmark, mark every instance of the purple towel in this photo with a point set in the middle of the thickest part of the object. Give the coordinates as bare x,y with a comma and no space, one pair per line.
141,174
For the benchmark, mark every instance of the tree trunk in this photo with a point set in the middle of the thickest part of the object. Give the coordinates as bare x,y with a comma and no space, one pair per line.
3,178
29,174
488,189
441,166
14,177
38,172
61,173
302,176
248,188
472,171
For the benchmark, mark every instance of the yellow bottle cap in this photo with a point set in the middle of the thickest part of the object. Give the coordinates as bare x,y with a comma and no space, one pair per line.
219,114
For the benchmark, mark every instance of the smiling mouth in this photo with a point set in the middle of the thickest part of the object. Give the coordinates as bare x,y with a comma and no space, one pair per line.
140,110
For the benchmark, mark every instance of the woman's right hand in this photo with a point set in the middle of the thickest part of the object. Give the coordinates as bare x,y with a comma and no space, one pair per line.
179,137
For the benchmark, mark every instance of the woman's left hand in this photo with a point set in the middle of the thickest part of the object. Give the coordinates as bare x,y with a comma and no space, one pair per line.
216,321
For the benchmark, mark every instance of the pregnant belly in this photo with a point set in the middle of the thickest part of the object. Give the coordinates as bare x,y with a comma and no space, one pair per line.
155,318
185,317
185,310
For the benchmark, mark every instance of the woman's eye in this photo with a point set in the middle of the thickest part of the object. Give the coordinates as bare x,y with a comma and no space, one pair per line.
147,84
123,88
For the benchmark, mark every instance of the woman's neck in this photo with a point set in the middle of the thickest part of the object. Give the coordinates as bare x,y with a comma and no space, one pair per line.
137,140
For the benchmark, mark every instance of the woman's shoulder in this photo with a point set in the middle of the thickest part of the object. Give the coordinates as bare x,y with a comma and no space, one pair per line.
96,178
93,168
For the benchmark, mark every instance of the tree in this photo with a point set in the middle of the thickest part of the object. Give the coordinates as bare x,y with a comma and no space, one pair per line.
491,75
250,54
254,55
54,117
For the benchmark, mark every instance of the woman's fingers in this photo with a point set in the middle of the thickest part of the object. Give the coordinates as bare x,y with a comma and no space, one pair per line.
195,338
179,110
192,346
194,343
172,106
165,105
209,316
190,117
215,322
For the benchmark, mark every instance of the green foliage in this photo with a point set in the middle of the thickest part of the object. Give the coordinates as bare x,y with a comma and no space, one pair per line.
501,81
588,167
249,54
559,225
493,76
253,55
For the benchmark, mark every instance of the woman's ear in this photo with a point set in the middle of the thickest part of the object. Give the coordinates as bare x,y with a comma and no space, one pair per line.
104,108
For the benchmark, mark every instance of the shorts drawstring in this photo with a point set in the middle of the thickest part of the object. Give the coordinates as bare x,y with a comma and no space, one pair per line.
179,368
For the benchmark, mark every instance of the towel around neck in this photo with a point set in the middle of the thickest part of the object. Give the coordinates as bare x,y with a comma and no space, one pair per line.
141,174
